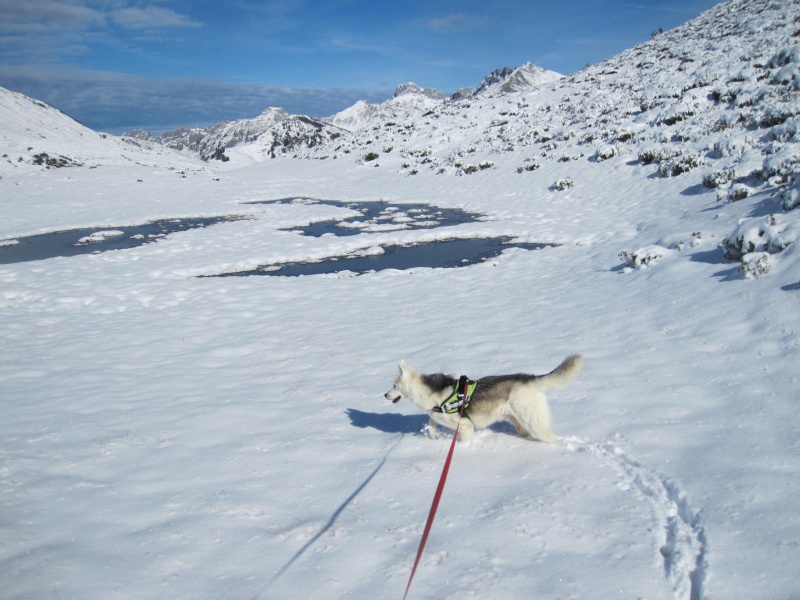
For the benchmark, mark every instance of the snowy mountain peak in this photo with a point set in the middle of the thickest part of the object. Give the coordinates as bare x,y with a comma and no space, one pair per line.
493,78
508,80
409,98
354,117
528,76
412,88
274,113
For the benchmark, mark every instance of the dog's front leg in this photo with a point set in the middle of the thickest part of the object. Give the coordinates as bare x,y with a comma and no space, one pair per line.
465,431
433,432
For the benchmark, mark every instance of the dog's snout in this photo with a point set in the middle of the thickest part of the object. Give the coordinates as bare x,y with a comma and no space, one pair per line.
393,397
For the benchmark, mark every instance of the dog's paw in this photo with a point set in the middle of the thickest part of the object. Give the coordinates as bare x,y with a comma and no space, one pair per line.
430,432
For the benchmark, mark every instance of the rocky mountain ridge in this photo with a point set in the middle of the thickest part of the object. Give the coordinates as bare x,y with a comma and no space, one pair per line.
277,132
720,92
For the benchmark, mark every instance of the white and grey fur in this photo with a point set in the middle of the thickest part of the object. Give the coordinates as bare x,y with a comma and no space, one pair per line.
518,398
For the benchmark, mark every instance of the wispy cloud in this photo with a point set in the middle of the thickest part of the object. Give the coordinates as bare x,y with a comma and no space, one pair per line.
455,23
37,15
351,44
57,28
41,15
151,17
659,7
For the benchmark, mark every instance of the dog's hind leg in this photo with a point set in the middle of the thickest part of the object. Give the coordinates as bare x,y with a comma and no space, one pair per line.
521,431
531,410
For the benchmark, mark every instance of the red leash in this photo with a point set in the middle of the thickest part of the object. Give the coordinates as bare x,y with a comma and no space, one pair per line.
438,495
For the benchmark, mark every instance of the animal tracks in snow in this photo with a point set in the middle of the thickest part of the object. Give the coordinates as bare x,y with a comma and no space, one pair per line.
683,541
583,519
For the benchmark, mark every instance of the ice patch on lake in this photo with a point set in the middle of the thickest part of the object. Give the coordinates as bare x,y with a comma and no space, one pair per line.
99,236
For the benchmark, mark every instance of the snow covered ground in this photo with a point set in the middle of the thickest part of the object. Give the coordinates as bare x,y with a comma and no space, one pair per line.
165,434
169,434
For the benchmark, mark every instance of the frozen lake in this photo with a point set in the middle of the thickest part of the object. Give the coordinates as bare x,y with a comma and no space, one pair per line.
444,254
90,240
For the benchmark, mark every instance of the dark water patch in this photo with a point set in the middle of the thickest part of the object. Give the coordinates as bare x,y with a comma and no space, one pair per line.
379,215
95,239
445,254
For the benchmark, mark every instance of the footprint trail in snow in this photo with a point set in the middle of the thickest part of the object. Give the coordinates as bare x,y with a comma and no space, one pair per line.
683,540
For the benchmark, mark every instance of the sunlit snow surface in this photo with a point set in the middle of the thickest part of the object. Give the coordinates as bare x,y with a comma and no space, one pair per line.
203,435
169,434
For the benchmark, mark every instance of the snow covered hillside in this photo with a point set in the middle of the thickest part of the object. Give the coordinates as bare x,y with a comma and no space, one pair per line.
165,431
35,135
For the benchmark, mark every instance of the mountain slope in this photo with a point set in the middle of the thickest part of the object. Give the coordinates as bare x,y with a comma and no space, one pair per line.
34,135
730,73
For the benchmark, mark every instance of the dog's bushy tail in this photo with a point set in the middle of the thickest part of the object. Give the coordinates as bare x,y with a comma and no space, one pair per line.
563,373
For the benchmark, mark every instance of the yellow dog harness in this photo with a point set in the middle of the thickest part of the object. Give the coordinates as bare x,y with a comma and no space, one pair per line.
457,398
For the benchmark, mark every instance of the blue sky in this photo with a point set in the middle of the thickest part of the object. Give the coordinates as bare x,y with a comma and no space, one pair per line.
116,65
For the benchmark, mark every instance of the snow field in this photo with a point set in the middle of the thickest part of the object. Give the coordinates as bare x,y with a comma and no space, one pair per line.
228,437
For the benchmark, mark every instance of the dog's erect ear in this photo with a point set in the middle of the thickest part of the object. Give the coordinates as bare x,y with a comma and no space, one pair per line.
404,366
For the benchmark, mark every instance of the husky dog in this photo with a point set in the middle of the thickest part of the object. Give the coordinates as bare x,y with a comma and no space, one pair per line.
518,398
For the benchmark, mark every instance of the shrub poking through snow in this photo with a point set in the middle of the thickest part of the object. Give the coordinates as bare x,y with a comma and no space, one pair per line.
56,162
672,160
739,191
370,156
769,234
563,184
755,264
645,257
731,147
694,239
787,61
675,114
680,165
718,178
605,153
791,197
784,164
658,154
533,166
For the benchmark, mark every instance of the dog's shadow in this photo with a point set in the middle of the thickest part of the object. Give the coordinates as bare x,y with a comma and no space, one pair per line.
397,423
388,422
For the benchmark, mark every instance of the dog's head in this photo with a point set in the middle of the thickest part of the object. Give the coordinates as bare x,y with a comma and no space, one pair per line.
400,388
